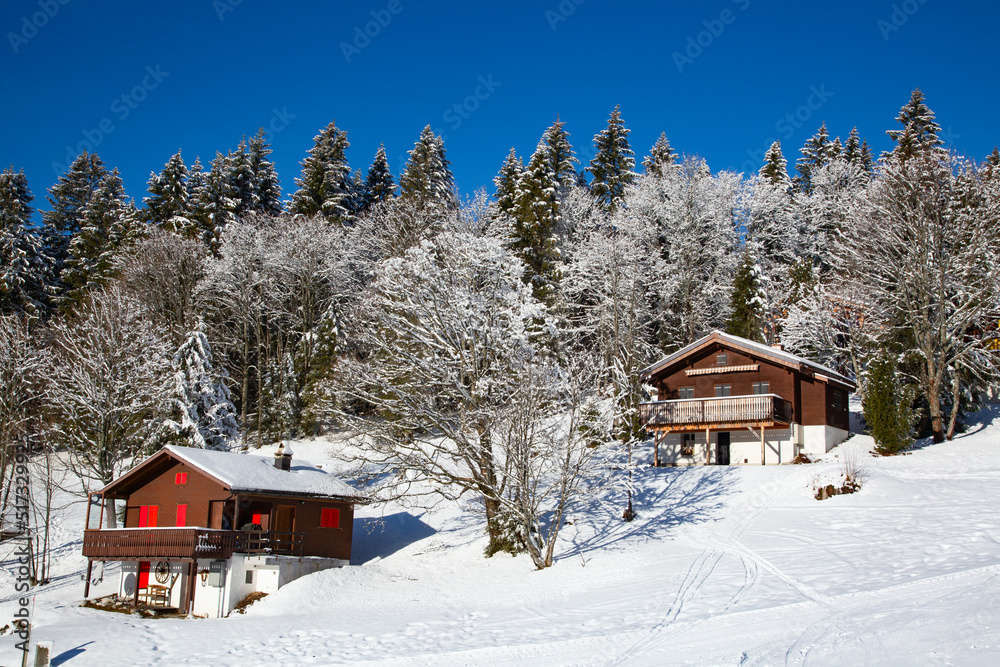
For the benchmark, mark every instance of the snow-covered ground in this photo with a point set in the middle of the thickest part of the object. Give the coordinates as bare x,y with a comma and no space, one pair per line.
724,566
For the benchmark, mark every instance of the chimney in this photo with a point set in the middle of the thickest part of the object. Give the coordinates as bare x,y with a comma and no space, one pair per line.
283,458
778,346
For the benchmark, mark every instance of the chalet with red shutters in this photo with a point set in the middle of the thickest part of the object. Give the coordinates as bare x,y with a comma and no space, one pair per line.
203,529
726,400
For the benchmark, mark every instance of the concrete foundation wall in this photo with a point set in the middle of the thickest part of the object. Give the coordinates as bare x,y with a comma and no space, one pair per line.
780,446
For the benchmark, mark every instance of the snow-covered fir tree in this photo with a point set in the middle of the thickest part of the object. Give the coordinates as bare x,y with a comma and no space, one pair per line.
536,217
818,150
562,159
506,183
920,129
660,155
266,185
748,303
202,413
427,180
324,186
613,165
379,183
26,269
167,204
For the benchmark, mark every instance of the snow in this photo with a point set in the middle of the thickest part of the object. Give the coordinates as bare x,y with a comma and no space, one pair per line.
247,472
723,566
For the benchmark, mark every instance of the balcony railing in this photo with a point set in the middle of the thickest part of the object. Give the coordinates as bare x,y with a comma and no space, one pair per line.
736,410
150,543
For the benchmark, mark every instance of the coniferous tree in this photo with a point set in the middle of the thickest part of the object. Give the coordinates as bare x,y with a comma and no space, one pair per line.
427,180
775,169
536,215
25,267
994,157
507,181
68,197
109,224
266,186
817,152
167,205
379,184
886,408
660,155
747,302
920,130
324,186
852,149
236,178
561,157
358,201
216,205
200,210
614,163
867,162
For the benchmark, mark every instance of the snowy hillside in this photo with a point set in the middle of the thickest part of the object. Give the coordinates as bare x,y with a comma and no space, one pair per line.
723,566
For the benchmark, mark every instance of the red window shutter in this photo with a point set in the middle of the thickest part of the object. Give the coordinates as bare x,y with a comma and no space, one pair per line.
329,517
182,512
181,478
143,516
154,510
144,574
257,519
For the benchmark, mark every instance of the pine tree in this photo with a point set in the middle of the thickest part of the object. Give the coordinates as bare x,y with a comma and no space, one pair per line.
427,180
266,185
747,301
109,224
507,181
167,205
68,197
357,201
867,162
775,168
323,184
379,184
660,155
202,410
536,215
237,178
920,130
216,207
614,163
199,210
994,157
817,152
561,156
886,408
25,267
852,149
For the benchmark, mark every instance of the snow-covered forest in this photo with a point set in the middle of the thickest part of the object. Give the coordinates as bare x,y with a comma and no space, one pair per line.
484,342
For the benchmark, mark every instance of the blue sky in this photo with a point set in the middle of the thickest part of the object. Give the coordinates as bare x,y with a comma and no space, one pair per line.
139,80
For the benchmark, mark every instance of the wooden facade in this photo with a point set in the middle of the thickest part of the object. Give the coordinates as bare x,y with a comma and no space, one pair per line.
724,383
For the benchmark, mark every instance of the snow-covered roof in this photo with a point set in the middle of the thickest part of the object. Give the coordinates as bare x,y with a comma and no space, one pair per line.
750,346
251,473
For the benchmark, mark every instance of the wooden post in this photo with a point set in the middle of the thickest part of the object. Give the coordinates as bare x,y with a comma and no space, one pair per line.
763,451
656,449
193,577
90,567
708,446
236,513
135,597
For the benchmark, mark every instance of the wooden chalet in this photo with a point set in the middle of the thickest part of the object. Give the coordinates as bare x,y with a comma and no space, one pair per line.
726,400
203,528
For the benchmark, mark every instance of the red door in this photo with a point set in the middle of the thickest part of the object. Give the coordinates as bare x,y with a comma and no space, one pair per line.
143,574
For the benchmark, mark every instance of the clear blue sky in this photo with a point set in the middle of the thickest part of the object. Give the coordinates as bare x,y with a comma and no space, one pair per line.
198,75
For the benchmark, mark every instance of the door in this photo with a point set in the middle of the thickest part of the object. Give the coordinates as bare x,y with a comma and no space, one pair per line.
143,574
284,524
723,448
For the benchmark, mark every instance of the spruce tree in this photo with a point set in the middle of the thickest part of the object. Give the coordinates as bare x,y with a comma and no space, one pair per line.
167,206
817,152
887,408
775,168
216,203
427,180
507,181
852,149
379,184
109,224
747,302
199,210
324,186
68,197
25,267
562,160
237,179
536,215
613,164
920,130
266,185
660,155
994,157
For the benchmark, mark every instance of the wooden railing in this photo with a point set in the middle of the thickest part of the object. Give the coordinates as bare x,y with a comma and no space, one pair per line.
149,543
762,408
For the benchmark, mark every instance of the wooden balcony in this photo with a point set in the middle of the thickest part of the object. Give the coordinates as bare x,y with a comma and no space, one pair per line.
187,543
694,414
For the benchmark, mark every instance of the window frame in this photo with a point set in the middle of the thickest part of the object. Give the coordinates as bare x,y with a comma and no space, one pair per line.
687,444
681,391
726,389
763,385
180,479
325,520
722,359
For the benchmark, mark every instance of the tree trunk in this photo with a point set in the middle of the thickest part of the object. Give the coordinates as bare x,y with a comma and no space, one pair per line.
934,402
956,396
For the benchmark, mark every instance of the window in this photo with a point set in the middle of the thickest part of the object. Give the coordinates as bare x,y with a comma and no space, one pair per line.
838,399
181,478
257,519
249,578
182,512
147,515
722,360
723,390
687,444
329,517
685,392
762,387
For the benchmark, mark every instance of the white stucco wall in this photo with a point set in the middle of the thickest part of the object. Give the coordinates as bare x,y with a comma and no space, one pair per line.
781,446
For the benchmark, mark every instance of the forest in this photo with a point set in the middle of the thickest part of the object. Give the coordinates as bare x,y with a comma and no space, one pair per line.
487,343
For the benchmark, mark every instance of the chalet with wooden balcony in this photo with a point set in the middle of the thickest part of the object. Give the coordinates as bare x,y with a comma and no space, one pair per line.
203,529
726,400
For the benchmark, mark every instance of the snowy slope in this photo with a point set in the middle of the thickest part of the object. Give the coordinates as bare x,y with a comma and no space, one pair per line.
723,566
